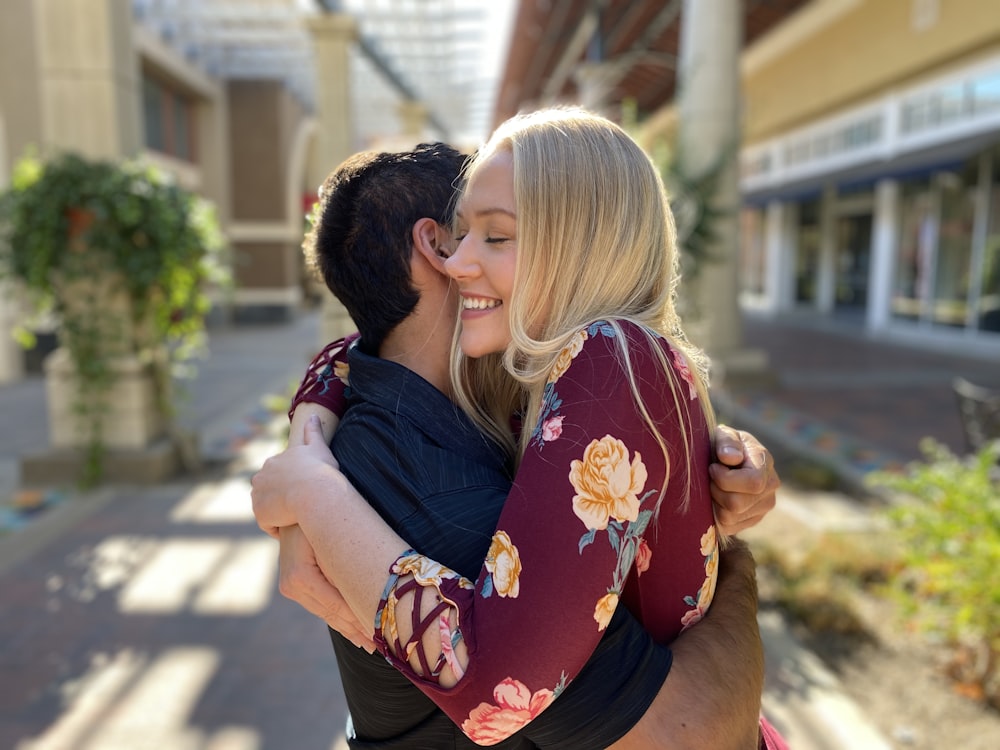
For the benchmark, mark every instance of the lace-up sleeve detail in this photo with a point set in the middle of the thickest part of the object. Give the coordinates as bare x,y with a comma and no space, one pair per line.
326,380
414,575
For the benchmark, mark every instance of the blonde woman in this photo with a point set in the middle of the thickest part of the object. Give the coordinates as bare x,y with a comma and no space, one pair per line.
567,270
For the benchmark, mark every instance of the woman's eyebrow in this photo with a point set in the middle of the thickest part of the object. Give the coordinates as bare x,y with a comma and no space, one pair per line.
496,210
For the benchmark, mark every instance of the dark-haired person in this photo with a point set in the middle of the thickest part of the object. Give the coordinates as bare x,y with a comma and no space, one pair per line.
381,239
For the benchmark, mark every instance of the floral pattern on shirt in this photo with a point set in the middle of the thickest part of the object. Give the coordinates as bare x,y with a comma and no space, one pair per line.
681,364
548,590
550,422
504,566
342,371
607,499
425,572
710,550
515,707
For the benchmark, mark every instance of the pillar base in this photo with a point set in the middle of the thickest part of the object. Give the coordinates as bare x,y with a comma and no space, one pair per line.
155,463
742,368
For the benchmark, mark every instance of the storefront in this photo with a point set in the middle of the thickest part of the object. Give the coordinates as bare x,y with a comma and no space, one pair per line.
887,213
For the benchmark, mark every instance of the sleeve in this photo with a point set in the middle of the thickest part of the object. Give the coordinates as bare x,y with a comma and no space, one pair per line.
564,547
325,382
623,676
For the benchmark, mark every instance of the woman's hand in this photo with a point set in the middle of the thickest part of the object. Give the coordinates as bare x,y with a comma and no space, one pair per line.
289,475
744,482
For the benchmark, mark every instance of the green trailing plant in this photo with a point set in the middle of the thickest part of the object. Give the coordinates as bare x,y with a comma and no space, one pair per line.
124,258
948,523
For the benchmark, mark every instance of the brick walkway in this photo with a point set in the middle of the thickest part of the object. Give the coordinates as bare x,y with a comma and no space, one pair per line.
147,617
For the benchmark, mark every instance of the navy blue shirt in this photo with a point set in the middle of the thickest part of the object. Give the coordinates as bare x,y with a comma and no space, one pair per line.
440,484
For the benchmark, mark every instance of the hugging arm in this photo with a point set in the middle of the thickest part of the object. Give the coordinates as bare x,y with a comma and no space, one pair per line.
314,515
701,679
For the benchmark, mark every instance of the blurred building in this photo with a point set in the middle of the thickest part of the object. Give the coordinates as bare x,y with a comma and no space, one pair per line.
248,102
870,156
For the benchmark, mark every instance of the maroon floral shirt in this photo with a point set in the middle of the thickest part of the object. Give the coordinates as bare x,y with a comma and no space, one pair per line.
597,517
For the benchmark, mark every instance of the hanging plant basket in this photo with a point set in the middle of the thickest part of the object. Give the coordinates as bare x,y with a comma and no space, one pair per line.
124,258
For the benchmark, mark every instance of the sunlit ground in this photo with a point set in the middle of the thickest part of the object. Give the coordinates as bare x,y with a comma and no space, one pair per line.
133,698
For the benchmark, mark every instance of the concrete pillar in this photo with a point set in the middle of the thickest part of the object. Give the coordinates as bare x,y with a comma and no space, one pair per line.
88,78
592,84
413,117
11,356
885,235
775,260
826,283
332,37
709,131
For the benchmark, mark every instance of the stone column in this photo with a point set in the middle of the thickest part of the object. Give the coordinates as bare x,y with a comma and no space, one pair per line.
413,116
885,234
89,77
826,283
708,85
332,37
11,356
775,252
591,81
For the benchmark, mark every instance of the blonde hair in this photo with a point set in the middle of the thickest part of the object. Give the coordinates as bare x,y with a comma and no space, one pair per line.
596,241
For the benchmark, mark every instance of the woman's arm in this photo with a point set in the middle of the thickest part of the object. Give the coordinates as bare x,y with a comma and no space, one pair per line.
561,580
717,668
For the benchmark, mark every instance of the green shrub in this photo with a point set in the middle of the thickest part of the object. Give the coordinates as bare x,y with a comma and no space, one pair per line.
948,522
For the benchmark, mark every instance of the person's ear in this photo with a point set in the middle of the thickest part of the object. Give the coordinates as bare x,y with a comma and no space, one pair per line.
431,240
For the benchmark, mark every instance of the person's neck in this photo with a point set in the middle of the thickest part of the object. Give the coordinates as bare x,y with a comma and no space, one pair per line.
423,346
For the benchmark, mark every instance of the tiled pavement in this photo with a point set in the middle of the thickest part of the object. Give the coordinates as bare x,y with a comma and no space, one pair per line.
147,617
852,402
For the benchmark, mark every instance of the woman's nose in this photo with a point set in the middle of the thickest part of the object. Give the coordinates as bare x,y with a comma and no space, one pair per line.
462,264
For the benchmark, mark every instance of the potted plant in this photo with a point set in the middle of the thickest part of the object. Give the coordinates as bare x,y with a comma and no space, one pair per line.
123,257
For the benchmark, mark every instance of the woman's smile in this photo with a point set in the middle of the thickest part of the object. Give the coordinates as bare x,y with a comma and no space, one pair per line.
483,264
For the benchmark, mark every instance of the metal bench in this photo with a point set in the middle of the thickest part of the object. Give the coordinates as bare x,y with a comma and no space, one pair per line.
979,409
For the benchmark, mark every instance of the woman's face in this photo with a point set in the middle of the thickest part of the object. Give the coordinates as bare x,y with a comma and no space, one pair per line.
484,261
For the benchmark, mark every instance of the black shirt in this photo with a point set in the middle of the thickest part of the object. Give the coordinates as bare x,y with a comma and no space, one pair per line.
440,484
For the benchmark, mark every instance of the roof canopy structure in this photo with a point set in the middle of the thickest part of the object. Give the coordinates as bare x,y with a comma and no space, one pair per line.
444,54
637,42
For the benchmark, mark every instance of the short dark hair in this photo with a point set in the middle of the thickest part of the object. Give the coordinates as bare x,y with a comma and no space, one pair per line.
361,239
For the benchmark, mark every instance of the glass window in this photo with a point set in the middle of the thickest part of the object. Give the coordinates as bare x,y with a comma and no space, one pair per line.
752,251
954,255
989,301
181,129
807,253
986,94
917,240
168,117
152,109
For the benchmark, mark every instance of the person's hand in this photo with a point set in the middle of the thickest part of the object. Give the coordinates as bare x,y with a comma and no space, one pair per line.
744,482
301,580
296,472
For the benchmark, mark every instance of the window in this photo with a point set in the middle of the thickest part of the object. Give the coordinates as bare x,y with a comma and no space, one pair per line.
169,119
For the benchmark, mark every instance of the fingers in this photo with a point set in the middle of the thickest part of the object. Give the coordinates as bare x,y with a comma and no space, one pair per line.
729,447
313,431
744,496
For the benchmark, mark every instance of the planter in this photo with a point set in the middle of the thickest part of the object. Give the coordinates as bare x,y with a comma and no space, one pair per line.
121,257
129,414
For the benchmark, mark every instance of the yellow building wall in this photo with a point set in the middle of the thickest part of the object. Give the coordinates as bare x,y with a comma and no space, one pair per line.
870,46
20,102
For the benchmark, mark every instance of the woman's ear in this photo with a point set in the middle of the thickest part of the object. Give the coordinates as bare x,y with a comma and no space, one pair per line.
432,241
